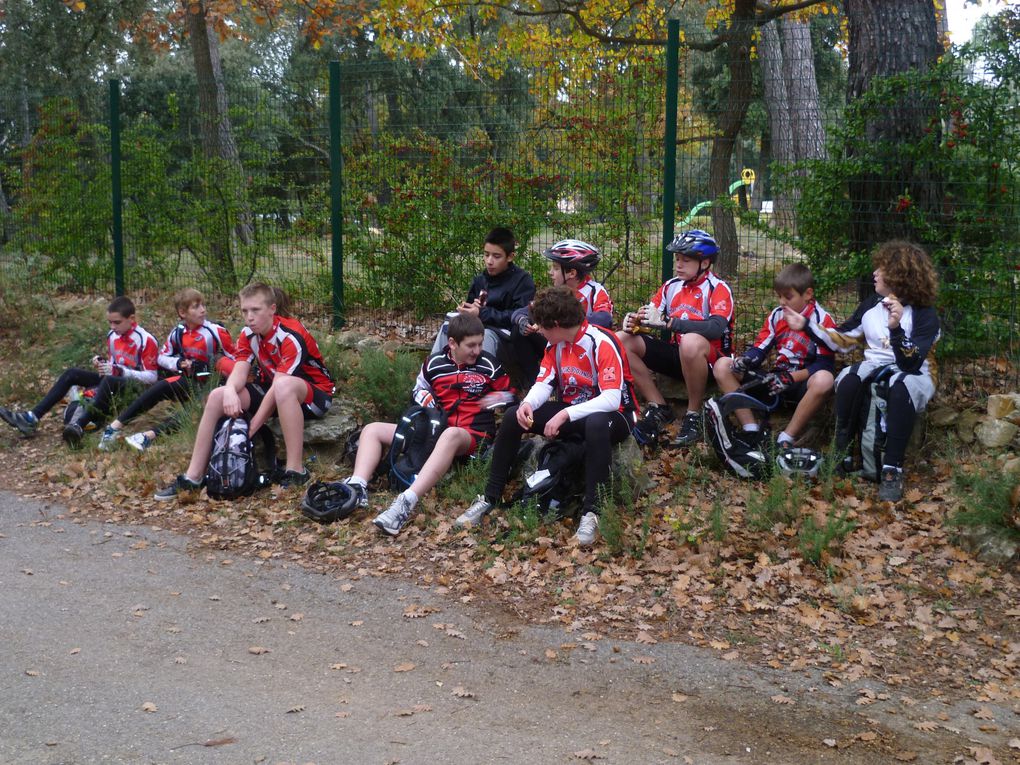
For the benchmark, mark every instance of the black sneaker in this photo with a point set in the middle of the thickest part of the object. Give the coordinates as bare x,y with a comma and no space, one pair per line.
73,434
180,483
655,416
891,487
292,478
690,430
25,422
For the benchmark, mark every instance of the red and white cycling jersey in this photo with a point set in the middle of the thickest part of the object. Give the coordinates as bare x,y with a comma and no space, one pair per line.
696,301
203,343
287,348
794,348
594,297
592,364
458,389
137,350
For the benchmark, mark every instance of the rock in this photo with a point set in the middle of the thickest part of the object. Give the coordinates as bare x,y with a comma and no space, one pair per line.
348,338
943,417
995,434
989,544
1011,466
328,436
1000,405
965,426
366,343
671,388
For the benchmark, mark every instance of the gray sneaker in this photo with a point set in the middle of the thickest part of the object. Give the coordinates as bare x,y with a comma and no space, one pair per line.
181,483
360,492
392,520
109,439
891,487
474,515
587,529
138,441
25,422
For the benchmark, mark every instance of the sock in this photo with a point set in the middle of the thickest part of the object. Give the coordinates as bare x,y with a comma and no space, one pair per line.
752,427
411,497
784,438
897,468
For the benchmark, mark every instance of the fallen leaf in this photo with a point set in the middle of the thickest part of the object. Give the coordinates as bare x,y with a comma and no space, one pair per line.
295,710
32,672
984,713
868,735
462,693
906,756
588,754
406,666
220,741
148,706
780,699
927,725
679,698
643,659
830,742
342,715
1014,743
257,650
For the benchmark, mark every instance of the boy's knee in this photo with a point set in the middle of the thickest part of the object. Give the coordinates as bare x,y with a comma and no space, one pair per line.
820,382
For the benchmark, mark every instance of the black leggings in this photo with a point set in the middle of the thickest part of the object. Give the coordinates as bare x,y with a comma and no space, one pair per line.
899,417
600,431
105,385
180,390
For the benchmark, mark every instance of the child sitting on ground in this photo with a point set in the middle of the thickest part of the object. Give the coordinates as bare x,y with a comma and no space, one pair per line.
803,371
571,262
292,383
696,306
898,328
496,293
131,360
190,351
462,380
587,367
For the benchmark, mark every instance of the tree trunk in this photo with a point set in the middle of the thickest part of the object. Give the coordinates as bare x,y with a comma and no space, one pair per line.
802,88
5,214
762,176
738,98
782,144
217,140
891,37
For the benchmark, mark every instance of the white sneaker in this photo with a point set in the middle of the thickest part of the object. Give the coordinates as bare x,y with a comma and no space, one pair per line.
359,491
392,520
475,514
138,441
109,439
587,528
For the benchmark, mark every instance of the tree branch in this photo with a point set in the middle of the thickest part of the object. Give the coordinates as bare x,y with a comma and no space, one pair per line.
764,13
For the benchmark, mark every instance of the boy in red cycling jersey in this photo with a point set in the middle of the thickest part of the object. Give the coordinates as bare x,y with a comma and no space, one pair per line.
190,351
462,380
587,367
131,359
571,262
696,308
292,382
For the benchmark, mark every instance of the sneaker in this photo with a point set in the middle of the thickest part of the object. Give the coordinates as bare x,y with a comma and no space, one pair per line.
359,491
109,438
690,430
474,515
891,487
73,434
25,422
392,520
293,478
138,441
587,528
652,421
180,483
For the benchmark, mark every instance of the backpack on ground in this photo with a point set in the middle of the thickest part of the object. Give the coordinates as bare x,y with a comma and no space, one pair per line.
743,453
417,432
871,421
557,482
233,469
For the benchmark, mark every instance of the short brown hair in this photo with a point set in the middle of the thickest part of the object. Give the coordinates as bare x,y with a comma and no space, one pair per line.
186,298
260,289
557,307
121,305
796,277
908,271
464,325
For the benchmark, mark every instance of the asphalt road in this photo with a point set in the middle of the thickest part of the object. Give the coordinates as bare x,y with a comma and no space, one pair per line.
121,644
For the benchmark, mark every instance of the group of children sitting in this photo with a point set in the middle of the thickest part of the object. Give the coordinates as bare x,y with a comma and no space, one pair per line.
585,380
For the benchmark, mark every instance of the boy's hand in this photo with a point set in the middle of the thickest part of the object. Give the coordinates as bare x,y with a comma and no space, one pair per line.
895,308
525,416
471,309
630,322
552,428
107,368
740,366
653,318
231,402
794,320
779,380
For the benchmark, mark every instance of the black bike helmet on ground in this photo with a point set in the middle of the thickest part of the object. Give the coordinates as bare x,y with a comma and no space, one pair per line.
743,453
573,253
328,502
695,244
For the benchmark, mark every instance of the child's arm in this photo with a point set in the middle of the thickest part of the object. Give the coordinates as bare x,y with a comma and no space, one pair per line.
911,350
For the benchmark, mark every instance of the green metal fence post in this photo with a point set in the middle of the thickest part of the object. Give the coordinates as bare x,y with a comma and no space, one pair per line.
115,191
335,199
669,143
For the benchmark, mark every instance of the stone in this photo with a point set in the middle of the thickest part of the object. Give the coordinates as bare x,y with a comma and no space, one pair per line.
1000,405
995,434
348,338
327,437
995,546
965,426
943,417
1011,466
366,343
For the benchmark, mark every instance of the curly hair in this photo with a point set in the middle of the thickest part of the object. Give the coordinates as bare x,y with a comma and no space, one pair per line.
908,271
557,307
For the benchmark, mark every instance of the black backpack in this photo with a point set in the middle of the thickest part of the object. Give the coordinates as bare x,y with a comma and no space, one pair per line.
743,453
415,438
233,470
867,420
557,483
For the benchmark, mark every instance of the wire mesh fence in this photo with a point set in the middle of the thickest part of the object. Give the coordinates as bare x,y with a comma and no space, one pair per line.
435,154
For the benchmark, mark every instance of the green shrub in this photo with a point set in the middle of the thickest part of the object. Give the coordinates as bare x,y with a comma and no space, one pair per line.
384,381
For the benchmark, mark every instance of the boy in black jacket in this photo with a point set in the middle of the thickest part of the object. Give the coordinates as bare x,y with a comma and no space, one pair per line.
496,292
